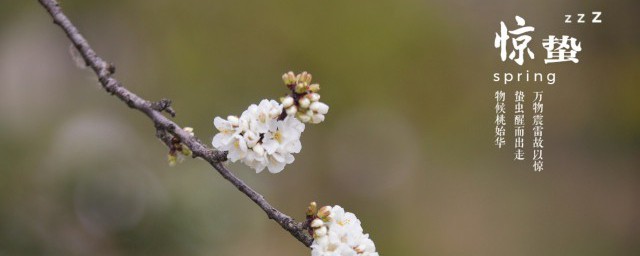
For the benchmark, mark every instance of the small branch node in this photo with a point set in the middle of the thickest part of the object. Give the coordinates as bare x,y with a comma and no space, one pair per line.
164,105
111,68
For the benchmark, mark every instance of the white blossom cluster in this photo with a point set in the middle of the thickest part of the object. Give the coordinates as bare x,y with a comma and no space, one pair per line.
258,138
339,233
268,134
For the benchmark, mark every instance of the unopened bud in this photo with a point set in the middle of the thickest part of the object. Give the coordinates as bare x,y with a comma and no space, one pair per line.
319,107
312,209
317,118
324,212
289,78
314,97
300,87
292,110
314,87
186,151
188,130
287,102
316,223
305,77
304,102
172,158
303,117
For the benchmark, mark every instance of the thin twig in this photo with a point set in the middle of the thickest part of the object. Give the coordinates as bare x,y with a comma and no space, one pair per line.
166,128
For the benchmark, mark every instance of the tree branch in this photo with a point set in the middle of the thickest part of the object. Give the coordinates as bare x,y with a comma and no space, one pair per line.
165,128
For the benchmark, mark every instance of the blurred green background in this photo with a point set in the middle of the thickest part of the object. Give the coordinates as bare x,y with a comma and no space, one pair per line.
407,144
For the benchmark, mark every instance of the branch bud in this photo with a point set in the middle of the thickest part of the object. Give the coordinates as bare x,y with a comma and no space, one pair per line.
305,77
303,117
324,212
313,97
319,107
304,102
289,78
300,88
186,151
316,223
172,158
292,110
189,130
314,87
287,102
312,209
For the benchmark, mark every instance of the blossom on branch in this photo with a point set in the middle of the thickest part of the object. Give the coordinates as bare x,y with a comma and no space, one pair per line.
258,139
304,101
268,134
338,233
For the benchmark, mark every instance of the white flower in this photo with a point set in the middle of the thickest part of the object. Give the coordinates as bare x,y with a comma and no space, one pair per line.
252,138
237,149
285,134
256,158
344,220
343,236
258,139
225,136
281,142
261,116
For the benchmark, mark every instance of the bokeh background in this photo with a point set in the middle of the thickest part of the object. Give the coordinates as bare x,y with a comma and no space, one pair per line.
407,144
